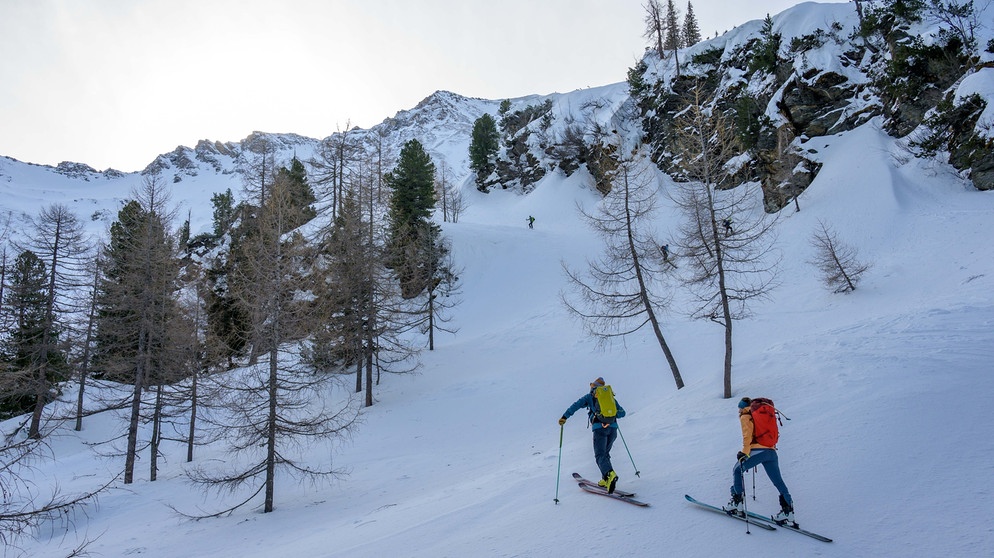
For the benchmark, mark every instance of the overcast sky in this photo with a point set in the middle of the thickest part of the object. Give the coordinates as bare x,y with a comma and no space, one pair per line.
113,83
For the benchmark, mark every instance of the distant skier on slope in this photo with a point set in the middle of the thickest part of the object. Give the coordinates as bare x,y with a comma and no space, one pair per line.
600,402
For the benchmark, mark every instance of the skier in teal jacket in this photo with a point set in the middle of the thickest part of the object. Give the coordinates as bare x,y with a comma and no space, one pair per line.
605,432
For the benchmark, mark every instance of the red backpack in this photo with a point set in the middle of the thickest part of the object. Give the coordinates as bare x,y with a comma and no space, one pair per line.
764,419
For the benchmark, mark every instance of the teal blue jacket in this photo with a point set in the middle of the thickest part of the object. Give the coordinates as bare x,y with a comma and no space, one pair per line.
588,402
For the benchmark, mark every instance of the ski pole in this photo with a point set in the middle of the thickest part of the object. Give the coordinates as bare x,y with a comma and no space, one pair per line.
754,483
745,500
637,473
560,465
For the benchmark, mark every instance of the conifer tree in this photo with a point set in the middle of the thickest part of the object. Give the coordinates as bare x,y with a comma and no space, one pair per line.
673,40
300,195
24,346
6,219
449,195
85,357
137,317
224,212
691,30
336,155
441,288
483,149
350,298
411,205
227,329
767,53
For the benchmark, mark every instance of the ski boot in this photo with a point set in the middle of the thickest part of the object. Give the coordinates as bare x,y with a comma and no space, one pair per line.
612,481
786,514
735,506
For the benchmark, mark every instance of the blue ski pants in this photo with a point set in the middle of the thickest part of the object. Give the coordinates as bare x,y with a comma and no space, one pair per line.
603,440
770,462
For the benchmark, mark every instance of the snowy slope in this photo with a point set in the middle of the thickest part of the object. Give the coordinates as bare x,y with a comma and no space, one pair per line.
888,450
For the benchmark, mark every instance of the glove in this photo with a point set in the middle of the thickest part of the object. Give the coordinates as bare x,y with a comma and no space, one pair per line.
562,421
741,457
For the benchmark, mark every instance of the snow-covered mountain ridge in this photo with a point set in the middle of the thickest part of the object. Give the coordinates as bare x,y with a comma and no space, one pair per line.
825,79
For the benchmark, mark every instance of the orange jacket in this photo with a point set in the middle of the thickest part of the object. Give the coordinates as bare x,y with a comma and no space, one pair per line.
748,440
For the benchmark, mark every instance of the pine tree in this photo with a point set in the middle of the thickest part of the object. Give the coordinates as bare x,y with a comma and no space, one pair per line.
691,30
483,149
184,236
441,284
136,318
673,40
411,205
300,195
23,347
336,155
348,298
224,212
227,321
767,53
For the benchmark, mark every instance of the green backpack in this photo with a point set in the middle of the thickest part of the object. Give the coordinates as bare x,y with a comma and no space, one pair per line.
606,410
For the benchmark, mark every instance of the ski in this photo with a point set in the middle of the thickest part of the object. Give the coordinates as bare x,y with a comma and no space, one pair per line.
716,509
789,527
593,484
598,490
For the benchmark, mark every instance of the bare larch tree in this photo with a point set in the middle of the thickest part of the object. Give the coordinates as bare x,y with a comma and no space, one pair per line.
724,234
621,291
58,239
272,407
836,260
655,25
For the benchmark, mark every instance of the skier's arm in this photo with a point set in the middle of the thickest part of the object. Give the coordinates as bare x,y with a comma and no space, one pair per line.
747,432
579,404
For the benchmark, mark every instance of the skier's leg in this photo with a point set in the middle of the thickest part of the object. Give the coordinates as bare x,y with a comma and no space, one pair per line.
612,435
771,463
738,486
601,450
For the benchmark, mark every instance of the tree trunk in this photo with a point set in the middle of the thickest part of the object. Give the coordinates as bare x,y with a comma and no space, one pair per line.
358,366
725,310
136,398
644,295
84,367
156,435
431,320
193,416
271,425
369,376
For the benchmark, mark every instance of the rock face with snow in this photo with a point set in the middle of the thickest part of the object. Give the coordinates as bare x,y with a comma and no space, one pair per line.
816,70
